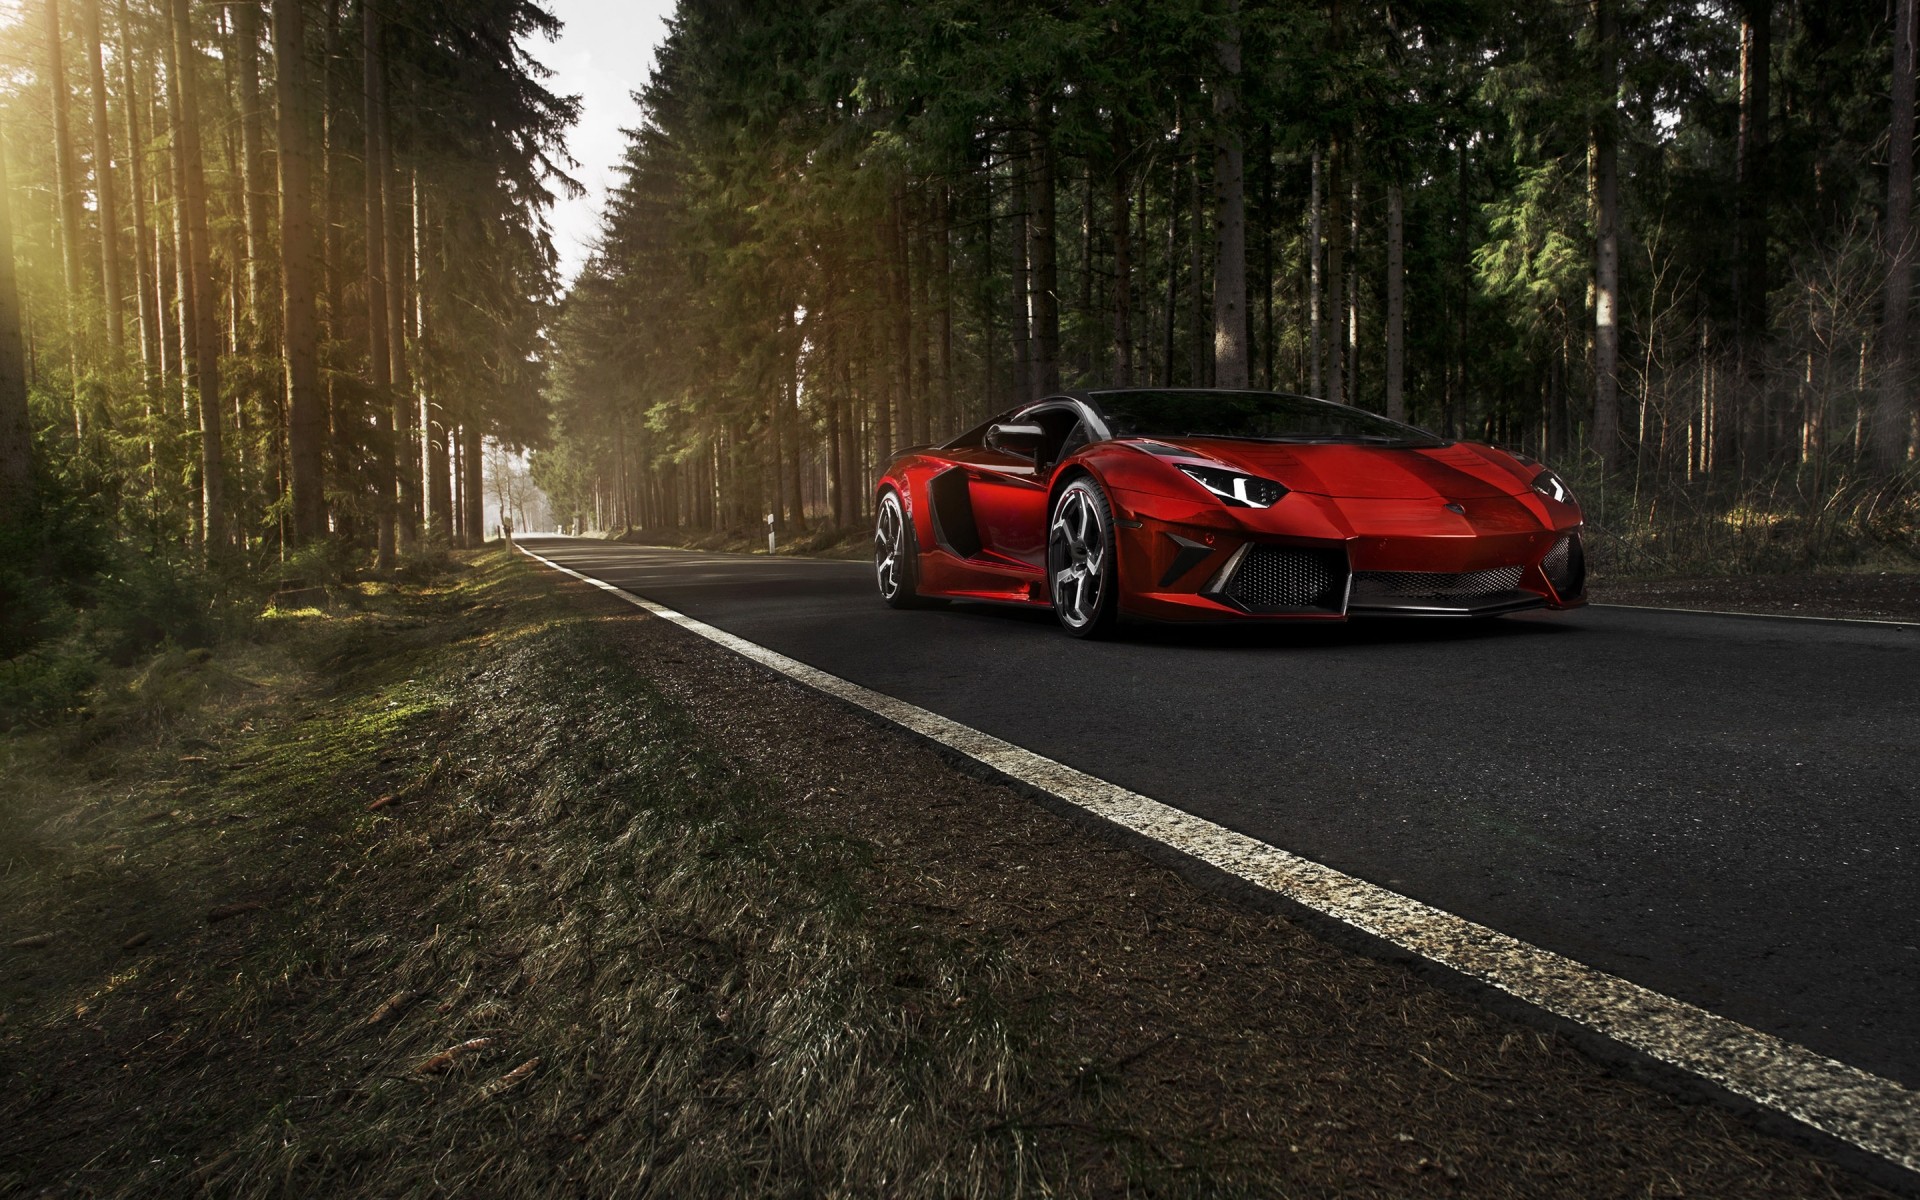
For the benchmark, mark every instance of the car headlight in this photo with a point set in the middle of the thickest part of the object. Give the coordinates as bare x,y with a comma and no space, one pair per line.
1234,489
1552,487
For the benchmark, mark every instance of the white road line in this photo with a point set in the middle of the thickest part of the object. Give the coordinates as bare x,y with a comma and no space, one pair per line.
1875,1114
1718,612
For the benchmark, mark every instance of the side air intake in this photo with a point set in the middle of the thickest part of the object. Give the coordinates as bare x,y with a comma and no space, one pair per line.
1565,567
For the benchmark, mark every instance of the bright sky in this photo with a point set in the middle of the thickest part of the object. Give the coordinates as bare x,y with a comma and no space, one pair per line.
603,56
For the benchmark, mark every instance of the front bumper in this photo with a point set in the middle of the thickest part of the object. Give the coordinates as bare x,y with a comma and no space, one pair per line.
1394,561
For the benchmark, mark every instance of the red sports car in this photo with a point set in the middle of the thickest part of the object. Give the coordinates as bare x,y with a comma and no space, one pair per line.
1202,504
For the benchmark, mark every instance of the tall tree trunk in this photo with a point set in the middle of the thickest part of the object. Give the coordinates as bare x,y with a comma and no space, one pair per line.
398,203
1336,269
379,362
143,271
1022,330
1752,179
457,469
1396,305
476,505
1043,231
216,528
330,152
1265,225
1353,281
344,450
901,330
438,498
1199,339
1316,236
1229,214
103,186
790,415
165,221
66,176
943,267
1605,433
1893,413
16,426
1119,197
852,481
299,321
1751,182
836,464
1173,272
246,36
183,299
920,325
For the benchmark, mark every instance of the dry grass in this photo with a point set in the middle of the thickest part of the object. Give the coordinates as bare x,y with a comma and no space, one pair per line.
1783,523
577,952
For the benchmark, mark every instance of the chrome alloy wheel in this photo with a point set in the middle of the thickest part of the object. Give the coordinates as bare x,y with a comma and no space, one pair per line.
1077,548
889,545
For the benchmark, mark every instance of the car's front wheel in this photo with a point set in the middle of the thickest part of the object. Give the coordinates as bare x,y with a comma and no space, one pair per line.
1080,560
895,563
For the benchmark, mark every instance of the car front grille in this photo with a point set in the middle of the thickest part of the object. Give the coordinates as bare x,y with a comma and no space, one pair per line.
1435,587
1283,579
1565,567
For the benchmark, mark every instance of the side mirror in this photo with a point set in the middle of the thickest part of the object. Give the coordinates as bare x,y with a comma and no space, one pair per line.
1023,440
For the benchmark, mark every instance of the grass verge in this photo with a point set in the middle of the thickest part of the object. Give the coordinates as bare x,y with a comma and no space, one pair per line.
434,897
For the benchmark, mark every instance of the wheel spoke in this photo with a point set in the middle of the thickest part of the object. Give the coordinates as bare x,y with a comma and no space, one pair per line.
1077,557
887,546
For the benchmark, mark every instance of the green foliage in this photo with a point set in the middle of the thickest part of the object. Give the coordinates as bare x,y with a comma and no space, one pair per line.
821,201
47,682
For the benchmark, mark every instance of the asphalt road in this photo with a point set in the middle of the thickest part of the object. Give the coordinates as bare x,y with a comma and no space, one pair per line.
1724,809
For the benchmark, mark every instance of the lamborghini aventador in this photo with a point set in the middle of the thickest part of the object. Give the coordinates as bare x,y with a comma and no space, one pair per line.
1204,504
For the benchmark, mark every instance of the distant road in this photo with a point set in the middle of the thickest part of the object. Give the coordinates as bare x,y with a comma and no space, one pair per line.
1724,809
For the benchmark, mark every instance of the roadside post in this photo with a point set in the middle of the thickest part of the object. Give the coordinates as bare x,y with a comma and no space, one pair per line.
769,533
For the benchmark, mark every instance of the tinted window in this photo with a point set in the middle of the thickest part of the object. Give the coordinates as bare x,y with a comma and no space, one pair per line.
1268,416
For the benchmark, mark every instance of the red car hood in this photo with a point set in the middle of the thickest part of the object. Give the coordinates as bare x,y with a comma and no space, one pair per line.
1462,471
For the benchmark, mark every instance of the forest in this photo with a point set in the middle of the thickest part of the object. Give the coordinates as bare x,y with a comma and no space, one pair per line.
1663,244
271,276
277,281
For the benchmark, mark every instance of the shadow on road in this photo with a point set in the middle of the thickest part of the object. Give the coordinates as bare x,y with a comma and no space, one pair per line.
1303,635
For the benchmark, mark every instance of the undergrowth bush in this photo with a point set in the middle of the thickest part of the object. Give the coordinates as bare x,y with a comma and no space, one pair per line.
78,596
1786,521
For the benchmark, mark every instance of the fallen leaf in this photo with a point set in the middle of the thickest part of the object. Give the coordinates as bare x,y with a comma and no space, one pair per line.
512,1079
381,803
193,758
225,911
34,942
451,1055
393,1006
137,940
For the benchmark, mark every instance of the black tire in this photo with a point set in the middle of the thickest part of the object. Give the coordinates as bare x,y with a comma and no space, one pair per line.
896,553
1082,574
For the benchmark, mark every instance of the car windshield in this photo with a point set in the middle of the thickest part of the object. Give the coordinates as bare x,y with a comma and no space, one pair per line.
1264,416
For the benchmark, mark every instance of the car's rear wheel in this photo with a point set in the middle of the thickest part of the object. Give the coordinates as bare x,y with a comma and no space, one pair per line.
896,564
1080,560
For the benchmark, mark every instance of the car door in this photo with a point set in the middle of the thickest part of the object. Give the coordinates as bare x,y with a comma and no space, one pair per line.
1010,492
